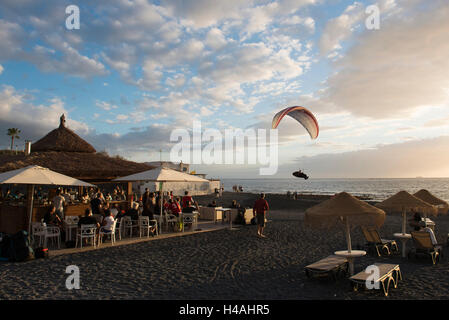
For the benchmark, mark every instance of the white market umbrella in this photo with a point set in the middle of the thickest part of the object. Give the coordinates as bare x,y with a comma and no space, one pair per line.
36,175
161,175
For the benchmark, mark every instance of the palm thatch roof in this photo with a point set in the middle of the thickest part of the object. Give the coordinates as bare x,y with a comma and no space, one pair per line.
62,139
342,207
404,201
93,167
425,195
63,151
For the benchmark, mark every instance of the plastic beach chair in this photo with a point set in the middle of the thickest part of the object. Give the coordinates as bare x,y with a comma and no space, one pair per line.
385,275
423,245
332,265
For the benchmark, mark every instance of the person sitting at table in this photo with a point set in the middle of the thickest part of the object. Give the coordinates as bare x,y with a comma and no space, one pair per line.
415,221
149,205
51,218
108,197
240,212
213,204
189,208
174,207
133,212
108,221
114,210
88,219
96,203
186,200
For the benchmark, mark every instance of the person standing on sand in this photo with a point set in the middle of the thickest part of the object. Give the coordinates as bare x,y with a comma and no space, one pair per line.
259,210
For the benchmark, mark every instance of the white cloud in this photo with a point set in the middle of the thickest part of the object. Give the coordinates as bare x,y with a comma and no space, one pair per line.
215,39
385,161
17,110
1,69
105,105
394,70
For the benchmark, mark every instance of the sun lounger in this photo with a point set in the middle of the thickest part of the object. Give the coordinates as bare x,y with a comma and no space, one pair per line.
373,240
330,266
423,245
387,273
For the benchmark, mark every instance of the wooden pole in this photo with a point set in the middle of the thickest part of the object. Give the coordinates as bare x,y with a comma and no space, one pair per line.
348,235
30,198
130,194
404,220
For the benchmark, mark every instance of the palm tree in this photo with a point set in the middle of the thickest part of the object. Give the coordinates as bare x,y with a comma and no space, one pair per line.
14,133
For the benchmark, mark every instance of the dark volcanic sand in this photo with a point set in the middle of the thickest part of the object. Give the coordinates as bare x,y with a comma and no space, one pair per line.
224,265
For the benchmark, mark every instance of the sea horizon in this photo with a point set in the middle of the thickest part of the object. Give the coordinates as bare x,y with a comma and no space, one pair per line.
373,188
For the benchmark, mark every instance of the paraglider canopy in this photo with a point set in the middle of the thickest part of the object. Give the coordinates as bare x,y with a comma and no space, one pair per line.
300,114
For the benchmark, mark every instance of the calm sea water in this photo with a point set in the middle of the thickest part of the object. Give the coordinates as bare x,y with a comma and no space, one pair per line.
377,189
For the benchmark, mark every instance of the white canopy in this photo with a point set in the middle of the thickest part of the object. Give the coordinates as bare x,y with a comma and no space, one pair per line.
37,175
162,174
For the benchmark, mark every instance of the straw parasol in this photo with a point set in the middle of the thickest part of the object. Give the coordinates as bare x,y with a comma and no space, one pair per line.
442,206
345,209
405,202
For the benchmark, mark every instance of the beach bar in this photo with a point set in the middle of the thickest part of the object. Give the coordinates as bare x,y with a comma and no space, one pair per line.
63,151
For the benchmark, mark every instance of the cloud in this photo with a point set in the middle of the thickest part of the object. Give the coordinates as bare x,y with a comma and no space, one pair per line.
340,28
423,158
105,105
1,69
17,111
393,71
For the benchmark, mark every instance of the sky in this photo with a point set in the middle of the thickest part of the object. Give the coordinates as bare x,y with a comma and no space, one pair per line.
137,70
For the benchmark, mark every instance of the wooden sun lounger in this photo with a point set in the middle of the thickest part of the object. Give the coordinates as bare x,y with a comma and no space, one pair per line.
330,266
387,273
423,245
373,240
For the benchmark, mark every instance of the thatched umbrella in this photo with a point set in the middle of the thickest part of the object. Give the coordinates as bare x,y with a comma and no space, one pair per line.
345,209
442,206
405,202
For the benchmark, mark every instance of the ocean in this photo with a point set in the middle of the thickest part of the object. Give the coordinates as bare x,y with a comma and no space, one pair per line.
376,189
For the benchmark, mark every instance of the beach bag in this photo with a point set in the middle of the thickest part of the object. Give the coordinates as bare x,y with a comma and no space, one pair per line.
41,253
20,249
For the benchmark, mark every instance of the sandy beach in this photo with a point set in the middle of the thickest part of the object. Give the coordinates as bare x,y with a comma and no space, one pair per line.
225,264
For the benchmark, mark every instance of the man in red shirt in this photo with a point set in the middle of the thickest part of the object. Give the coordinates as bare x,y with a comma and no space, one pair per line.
259,210
186,200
